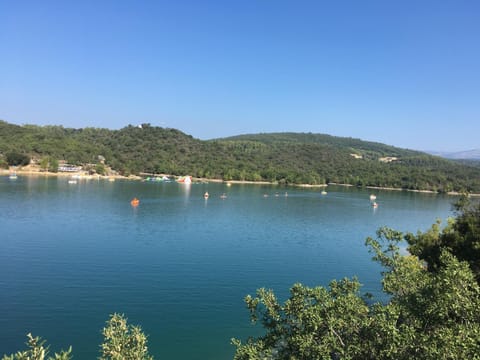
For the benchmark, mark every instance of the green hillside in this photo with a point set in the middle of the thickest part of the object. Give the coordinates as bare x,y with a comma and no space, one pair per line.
286,158
355,145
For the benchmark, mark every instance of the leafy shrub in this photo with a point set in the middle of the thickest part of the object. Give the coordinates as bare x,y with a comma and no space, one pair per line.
17,159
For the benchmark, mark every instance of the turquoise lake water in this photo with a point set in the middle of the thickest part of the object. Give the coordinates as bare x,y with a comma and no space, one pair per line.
178,265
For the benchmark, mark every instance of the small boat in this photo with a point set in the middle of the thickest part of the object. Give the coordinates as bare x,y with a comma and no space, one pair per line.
72,181
373,197
185,180
13,176
375,205
324,192
206,195
135,202
223,196
158,179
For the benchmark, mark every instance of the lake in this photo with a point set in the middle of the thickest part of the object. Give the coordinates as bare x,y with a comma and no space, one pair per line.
178,265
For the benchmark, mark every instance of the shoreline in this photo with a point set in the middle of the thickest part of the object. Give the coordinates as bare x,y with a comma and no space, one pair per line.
85,175
450,193
75,174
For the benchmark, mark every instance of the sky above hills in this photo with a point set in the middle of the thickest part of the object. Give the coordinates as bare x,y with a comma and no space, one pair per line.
404,73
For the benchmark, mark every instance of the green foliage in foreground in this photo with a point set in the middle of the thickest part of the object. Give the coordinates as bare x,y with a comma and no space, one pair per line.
461,237
121,342
37,351
429,315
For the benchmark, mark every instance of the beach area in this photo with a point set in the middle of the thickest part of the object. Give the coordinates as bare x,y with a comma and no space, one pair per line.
34,170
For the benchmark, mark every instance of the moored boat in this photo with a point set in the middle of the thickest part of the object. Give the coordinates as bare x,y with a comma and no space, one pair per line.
185,179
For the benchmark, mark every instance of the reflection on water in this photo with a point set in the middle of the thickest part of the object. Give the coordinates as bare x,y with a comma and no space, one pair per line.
185,189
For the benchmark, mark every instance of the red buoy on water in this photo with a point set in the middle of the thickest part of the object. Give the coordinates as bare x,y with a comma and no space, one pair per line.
135,202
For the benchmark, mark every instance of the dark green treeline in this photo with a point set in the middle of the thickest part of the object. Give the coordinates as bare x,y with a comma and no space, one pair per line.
285,158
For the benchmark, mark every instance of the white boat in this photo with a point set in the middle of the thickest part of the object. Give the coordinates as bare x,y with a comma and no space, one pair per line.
72,181
373,197
13,176
324,192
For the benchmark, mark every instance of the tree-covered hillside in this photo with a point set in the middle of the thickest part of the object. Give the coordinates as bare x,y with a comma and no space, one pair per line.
319,158
286,158
355,145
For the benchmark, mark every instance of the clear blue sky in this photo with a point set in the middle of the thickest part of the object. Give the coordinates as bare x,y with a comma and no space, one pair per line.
405,73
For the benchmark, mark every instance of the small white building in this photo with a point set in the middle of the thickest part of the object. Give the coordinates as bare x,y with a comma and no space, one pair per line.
388,159
69,168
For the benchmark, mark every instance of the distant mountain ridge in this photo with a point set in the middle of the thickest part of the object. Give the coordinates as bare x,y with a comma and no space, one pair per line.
458,155
283,158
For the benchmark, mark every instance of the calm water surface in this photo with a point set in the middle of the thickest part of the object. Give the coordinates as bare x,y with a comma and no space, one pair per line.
178,265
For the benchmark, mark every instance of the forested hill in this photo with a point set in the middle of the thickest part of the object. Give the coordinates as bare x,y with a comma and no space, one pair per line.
281,157
355,145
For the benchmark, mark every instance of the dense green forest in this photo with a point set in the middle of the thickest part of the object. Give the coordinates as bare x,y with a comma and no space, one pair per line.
431,311
285,158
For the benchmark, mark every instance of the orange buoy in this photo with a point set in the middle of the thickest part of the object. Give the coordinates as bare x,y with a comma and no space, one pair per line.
135,202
